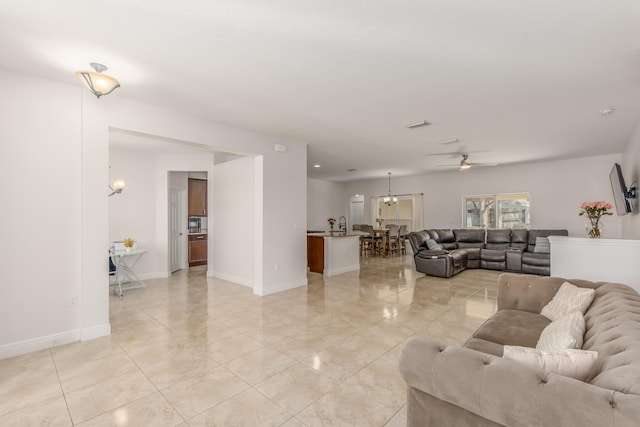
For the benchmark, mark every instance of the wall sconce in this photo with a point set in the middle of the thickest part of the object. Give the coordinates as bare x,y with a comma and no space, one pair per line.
99,84
116,187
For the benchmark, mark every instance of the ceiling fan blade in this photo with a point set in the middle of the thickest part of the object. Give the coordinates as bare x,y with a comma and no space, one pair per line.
455,154
485,164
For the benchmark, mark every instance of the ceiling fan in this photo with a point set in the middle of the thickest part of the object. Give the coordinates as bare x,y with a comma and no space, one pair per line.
465,163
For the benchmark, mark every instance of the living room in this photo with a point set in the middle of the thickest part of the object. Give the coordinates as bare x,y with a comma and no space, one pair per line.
56,134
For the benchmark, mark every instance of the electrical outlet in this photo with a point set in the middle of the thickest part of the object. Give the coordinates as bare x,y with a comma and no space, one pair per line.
73,301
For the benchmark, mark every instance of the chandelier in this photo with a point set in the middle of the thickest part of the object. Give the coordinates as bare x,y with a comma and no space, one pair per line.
389,200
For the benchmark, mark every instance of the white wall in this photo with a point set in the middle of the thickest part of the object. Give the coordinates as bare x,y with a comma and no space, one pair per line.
326,199
233,222
132,213
57,165
40,247
556,189
631,170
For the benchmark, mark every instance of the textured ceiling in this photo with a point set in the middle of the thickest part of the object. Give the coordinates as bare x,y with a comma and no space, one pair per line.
514,81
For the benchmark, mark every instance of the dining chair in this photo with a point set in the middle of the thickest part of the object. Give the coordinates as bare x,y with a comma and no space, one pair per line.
402,233
367,241
394,239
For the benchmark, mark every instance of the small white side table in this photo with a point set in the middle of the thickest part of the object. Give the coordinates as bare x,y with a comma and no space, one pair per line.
125,261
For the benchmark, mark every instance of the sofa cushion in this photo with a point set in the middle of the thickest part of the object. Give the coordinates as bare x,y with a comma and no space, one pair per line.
418,240
531,258
432,245
519,239
492,255
543,246
445,237
484,346
472,252
571,363
513,327
565,332
498,239
567,300
466,235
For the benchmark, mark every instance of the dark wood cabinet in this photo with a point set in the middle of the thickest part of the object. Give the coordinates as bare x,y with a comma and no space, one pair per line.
197,249
197,197
315,254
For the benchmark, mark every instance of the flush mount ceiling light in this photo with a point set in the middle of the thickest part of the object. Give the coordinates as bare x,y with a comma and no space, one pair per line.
449,141
388,200
417,125
607,110
99,84
465,163
316,166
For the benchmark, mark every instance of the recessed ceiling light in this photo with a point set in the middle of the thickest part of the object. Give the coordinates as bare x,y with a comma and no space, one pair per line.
352,170
417,125
607,110
449,141
316,166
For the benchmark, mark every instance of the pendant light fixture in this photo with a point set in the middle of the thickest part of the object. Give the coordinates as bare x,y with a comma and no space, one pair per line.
99,84
388,200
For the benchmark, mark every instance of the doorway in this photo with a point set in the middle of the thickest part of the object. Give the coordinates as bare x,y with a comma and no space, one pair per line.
356,209
177,220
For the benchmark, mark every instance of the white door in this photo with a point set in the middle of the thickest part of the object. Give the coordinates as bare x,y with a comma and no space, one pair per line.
356,209
177,224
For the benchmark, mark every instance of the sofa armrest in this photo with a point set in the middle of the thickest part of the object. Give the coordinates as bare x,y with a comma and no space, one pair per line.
432,253
526,292
510,393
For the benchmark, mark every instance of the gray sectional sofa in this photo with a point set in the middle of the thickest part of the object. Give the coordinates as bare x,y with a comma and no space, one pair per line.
453,251
474,386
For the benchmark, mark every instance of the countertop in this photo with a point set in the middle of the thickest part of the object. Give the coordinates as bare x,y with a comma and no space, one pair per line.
201,232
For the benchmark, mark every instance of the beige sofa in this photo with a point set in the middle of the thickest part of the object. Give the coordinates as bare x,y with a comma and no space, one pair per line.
474,386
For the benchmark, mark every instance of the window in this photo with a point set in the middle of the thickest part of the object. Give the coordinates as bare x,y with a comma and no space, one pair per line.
400,213
496,211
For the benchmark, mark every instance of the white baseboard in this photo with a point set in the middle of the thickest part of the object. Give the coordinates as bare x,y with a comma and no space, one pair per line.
230,278
341,270
154,275
280,287
54,340
40,343
95,332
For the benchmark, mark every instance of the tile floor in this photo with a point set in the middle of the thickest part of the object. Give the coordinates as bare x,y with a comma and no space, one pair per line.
192,351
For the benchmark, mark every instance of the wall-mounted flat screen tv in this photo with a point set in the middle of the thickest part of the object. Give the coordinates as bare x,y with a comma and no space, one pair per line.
619,190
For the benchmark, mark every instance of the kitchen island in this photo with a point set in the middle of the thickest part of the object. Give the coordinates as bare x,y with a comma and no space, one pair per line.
332,254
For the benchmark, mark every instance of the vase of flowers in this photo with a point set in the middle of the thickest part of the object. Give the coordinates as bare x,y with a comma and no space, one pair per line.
331,221
594,211
128,244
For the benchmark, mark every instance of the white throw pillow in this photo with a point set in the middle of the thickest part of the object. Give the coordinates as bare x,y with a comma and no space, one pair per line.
568,299
569,363
566,332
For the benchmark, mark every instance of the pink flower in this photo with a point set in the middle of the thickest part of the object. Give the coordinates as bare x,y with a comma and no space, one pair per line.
595,209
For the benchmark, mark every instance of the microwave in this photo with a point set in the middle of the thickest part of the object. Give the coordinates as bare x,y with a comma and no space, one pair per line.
195,225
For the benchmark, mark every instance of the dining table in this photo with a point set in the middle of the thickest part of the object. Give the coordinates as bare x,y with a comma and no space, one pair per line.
384,235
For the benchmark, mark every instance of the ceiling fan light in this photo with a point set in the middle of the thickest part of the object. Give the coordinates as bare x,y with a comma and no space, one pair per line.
464,166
